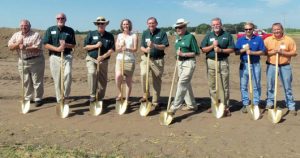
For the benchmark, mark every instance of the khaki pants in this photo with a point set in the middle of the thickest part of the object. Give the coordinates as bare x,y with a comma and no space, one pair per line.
223,79
33,77
156,70
184,88
55,71
92,78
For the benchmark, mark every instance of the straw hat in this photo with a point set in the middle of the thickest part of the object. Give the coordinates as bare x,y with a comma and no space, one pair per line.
180,22
101,19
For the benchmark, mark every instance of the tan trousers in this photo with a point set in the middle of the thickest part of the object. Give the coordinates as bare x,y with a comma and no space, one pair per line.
156,70
223,79
184,88
92,78
55,71
33,77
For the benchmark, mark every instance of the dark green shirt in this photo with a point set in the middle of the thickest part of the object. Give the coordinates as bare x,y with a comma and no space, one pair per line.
107,40
187,43
54,34
225,40
158,37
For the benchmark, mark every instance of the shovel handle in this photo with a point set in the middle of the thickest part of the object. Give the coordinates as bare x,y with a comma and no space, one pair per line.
250,79
276,80
173,80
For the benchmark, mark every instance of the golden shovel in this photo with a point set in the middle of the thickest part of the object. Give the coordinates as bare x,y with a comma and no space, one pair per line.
253,110
166,118
24,104
274,114
96,106
145,107
62,109
122,104
217,108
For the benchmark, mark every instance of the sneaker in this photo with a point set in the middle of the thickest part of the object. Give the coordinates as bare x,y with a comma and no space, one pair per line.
189,108
244,110
38,103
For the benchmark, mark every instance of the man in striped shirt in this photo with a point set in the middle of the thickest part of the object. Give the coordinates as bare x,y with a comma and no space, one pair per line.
29,47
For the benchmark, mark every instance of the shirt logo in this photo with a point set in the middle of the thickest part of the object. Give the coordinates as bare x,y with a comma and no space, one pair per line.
157,37
224,38
53,32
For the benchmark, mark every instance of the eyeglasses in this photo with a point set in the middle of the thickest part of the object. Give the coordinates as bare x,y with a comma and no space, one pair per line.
249,29
100,24
60,18
179,27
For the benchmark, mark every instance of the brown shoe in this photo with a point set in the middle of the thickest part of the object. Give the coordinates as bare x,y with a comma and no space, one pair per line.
227,112
189,108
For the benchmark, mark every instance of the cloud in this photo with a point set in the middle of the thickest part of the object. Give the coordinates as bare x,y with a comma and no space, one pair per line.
275,3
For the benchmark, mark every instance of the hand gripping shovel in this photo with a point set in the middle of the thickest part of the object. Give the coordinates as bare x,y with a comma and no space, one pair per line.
253,110
96,106
274,114
217,108
122,104
62,109
24,104
145,107
166,118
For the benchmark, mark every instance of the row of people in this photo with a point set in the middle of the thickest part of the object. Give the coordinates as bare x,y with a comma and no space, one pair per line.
61,38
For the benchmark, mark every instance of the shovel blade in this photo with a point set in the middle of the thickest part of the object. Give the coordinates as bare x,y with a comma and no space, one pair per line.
24,106
145,108
121,106
274,115
218,110
165,118
96,108
62,110
254,112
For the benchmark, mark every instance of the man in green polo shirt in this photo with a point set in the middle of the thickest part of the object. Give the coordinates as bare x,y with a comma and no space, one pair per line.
221,42
58,39
154,41
186,51
103,40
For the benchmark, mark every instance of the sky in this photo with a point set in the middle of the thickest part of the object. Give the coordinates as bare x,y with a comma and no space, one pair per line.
81,13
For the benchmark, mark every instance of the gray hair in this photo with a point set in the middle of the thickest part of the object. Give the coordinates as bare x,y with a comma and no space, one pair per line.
217,19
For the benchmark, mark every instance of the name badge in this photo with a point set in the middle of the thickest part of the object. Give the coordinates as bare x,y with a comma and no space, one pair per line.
245,45
282,46
157,37
53,32
95,38
212,39
147,40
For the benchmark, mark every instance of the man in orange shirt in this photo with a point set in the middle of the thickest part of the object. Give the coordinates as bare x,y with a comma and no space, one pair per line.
286,48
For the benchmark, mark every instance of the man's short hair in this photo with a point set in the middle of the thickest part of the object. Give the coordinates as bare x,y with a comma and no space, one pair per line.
217,19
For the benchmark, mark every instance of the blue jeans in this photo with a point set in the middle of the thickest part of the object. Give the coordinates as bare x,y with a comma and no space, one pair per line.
286,77
244,78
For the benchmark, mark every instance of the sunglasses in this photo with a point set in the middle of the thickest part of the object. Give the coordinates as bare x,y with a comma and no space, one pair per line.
179,27
100,24
60,18
249,29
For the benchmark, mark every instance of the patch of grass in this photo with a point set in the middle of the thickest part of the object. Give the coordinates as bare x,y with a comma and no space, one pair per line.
37,151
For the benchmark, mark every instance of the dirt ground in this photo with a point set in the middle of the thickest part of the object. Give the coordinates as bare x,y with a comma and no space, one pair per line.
192,134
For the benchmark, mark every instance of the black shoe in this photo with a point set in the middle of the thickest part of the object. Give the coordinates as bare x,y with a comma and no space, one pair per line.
38,103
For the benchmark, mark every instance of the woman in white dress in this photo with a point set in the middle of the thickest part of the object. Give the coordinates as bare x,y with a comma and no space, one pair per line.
127,42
